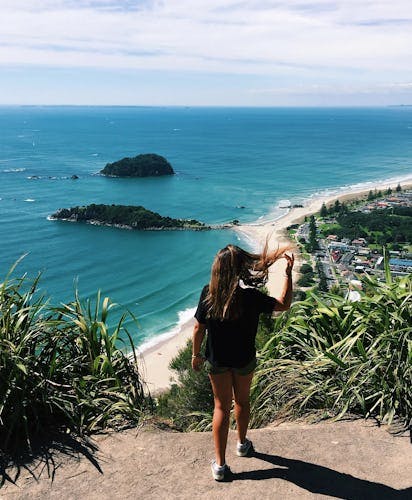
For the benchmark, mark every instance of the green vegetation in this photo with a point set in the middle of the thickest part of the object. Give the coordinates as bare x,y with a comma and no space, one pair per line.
330,355
140,166
307,275
373,195
65,368
62,368
335,209
323,210
131,217
377,227
326,356
189,403
312,244
323,283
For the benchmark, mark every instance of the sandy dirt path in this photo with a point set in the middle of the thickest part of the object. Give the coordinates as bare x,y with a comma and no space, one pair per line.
352,460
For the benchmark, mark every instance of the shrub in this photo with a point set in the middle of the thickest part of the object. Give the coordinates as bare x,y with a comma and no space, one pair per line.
306,280
62,367
306,268
189,403
342,357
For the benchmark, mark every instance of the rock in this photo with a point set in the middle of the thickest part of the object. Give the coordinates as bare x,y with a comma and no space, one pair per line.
145,165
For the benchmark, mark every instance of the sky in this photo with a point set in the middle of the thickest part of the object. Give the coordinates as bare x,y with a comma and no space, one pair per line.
206,52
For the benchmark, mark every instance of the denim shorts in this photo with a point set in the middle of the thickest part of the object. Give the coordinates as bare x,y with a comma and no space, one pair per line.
244,370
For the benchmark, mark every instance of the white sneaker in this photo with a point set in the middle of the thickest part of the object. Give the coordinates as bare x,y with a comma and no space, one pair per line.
219,471
243,449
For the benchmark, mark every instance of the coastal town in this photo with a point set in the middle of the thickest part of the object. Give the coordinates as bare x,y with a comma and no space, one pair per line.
337,263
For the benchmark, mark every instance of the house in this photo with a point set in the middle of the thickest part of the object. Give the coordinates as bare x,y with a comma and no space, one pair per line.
379,263
401,265
338,245
359,242
336,255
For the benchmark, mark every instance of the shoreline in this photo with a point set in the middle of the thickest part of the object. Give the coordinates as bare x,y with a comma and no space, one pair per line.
154,360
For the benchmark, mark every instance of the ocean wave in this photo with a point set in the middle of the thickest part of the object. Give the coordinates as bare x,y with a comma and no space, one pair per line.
358,187
169,307
9,170
183,318
51,177
30,200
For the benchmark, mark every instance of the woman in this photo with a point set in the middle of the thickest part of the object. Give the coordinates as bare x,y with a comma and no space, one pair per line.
229,309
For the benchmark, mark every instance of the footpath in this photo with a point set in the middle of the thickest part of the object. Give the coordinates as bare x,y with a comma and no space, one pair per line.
351,460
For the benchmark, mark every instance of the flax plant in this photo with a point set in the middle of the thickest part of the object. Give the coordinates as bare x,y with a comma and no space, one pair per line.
106,387
338,356
63,367
23,401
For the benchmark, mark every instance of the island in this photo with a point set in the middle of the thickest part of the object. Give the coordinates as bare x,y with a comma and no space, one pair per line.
125,217
144,165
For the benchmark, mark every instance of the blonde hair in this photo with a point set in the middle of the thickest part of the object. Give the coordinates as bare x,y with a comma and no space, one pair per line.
230,265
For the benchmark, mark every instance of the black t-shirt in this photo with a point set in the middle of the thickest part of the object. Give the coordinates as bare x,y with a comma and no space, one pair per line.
232,342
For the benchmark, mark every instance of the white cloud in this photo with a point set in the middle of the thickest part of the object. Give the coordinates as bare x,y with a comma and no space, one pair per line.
350,45
340,89
250,36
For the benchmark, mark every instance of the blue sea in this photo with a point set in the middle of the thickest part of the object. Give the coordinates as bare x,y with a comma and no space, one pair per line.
224,158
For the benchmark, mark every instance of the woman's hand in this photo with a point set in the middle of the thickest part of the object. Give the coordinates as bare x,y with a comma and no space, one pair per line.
197,362
289,265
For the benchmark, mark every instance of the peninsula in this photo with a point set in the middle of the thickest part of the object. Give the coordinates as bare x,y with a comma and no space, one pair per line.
125,217
145,165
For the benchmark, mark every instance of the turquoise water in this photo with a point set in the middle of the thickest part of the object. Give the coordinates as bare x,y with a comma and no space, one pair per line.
225,158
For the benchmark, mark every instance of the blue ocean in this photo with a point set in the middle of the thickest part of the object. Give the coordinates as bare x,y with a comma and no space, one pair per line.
230,163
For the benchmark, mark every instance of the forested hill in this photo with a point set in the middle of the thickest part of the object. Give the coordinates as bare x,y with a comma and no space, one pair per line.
145,165
125,216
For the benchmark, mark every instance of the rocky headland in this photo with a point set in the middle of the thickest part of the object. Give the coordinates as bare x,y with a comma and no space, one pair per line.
125,217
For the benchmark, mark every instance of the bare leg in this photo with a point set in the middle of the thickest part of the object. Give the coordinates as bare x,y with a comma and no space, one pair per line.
241,390
222,385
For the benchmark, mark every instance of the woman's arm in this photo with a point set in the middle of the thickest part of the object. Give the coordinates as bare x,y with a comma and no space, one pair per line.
199,331
285,299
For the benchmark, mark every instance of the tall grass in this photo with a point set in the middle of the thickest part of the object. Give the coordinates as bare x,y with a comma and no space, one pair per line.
63,367
338,356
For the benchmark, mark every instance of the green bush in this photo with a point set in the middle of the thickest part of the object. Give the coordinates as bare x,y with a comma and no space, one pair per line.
189,403
340,357
306,280
306,269
62,367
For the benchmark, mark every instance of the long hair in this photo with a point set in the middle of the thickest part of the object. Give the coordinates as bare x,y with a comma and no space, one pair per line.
230,265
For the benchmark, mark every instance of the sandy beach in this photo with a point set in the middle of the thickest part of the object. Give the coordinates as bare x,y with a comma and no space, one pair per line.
155,360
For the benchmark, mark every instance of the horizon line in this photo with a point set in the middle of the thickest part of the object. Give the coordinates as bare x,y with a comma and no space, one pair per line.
406,105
